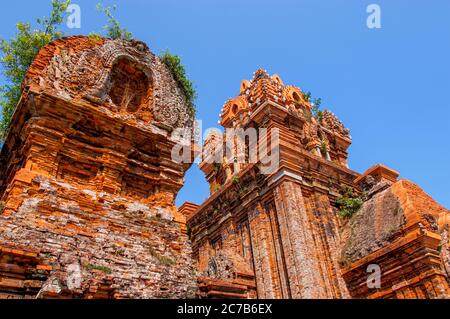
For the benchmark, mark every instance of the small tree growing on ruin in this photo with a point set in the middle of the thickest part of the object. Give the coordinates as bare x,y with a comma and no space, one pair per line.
173,63
349,203
17,54
114,29
316,104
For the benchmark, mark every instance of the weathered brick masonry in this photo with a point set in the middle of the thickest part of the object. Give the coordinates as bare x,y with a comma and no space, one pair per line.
88,183
87,179
283,227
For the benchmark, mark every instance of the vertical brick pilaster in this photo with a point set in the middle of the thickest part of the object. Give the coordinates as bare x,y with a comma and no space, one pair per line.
300,253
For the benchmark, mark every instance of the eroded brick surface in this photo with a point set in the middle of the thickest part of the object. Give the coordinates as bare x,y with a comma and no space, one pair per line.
284,226
88,186
403,231
88,183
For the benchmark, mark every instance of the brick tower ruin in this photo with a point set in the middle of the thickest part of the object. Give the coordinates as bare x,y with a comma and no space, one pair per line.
278,234
88,183
87,180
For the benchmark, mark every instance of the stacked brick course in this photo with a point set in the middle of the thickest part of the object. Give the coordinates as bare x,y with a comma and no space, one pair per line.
88,183
284,225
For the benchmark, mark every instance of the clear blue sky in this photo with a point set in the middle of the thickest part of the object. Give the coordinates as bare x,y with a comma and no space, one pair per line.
390,86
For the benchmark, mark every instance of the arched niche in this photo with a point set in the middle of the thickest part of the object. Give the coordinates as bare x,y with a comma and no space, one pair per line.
130,86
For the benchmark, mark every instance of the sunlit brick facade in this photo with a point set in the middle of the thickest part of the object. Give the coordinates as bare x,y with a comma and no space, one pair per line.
278,235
